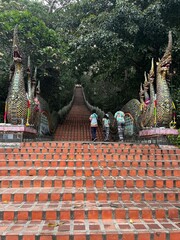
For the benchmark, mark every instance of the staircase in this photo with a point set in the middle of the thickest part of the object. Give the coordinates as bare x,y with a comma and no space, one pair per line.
89,191
76,126
75,189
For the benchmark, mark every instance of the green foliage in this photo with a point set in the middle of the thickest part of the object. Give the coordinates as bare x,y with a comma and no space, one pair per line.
41,43
114,46
175,140
104,44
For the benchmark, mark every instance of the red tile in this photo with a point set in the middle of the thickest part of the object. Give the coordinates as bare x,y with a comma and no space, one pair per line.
6,197
102,196
174,235
37,215
112,236
130,183
159,236
92,214
90,196
146,214
133,213
7,215
144,236
79,214
99,183
79,196
160,213
67,197
51,215
128,236
120,214
173,213
148,196
48,237
106,214
18,197
80,237
12,237
28,237
109,183
64,215
22,215
96,237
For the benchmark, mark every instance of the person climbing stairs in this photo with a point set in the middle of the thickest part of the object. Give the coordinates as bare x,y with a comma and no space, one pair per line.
76,126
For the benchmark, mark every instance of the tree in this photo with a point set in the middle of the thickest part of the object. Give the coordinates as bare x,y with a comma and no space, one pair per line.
42,44
104,44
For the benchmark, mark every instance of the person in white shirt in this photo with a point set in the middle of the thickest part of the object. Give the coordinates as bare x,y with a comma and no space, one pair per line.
119,118
94,124
106,125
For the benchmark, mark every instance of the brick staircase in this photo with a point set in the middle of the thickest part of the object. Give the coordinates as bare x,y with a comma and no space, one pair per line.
89,191
76,126
75,189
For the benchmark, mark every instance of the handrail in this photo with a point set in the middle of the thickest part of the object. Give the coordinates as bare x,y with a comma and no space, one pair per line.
64,111
99,112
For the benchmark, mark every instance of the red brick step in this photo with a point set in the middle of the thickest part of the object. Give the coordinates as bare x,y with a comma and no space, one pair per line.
88,194
89,172
98,182
149,229
82,210
91,163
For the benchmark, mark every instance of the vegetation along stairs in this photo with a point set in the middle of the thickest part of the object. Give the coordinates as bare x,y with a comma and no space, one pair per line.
60,190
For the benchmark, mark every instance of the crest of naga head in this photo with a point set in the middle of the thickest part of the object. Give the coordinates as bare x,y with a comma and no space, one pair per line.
16,56
166,60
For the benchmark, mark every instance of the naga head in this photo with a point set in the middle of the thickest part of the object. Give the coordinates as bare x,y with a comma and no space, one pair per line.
166,60
16,50
34,79
141,92
151,75
146,83
29,67
38,90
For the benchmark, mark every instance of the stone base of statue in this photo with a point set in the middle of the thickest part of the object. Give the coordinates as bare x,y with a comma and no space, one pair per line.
157,135
16,133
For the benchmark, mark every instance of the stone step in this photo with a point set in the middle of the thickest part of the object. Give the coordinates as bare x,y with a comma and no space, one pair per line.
81,210
87,147
84,145
44,194
111,146
90,163
89,172
93,229
90,182
88,156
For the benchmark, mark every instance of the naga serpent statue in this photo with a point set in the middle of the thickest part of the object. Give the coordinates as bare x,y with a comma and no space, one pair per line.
16,100
27,108
154,108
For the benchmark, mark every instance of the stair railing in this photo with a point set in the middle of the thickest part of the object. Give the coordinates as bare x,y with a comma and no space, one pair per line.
99,112
64,111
